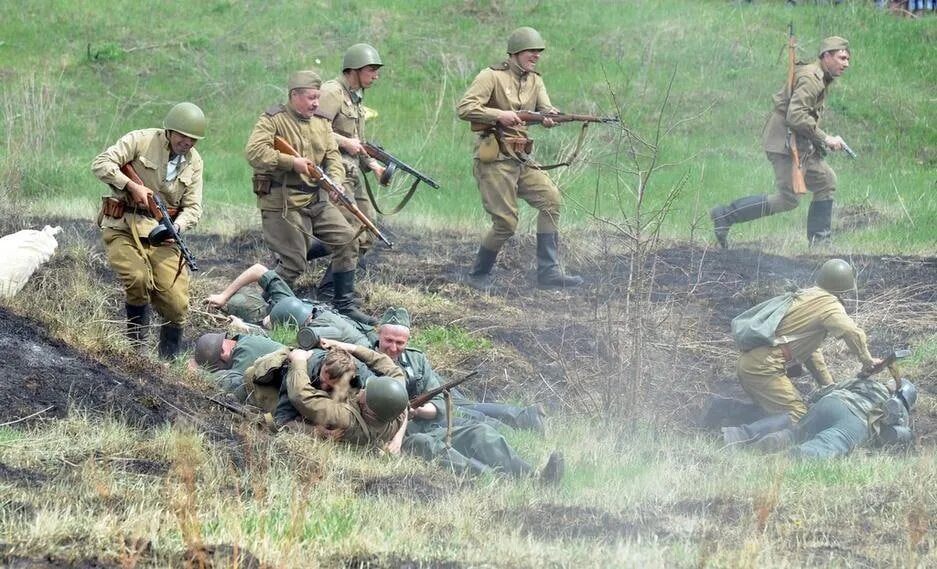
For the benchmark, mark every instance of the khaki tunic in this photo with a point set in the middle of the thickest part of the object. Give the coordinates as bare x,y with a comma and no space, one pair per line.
502,181
343,108
801,113
814,315
290,217
317,407
149,273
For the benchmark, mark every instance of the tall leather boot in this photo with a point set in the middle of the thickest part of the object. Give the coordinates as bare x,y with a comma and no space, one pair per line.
820,222
739,211
344,300
479,276
138,323
325,291
317,250
754,431
170,341
549,273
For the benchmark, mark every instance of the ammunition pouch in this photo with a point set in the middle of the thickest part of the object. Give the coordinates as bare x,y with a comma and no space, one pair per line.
517,145
261,184
112,207
488,147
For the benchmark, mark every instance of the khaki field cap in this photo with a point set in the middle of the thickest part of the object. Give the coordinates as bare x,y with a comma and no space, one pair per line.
208,351
833,43
836,276
361,55
187,119
304,80
523,39
396,317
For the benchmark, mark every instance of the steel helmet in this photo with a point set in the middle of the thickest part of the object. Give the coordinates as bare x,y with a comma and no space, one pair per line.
187,119
523,39
360,55
290,312
208,351
908,394
386,397
836,276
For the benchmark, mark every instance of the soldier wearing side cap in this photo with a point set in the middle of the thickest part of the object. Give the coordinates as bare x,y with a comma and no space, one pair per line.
342,104
799,113
500,167
293,213
153,273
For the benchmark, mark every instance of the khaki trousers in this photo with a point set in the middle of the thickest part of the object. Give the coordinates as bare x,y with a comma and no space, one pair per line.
818,176
761,373
354,185
500,183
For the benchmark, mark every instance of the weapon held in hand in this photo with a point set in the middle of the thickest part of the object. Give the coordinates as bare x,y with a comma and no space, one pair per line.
392,164
798,183
318,176
888,362
424,398
849,151
533,117
166,229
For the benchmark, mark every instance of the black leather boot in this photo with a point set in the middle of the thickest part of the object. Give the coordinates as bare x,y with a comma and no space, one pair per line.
549,273
479,276
754,431
820,222
317,250
325,291
138,323
170,340
739,211
344,300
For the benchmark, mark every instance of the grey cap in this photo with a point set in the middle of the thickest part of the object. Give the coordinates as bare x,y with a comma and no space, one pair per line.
396,317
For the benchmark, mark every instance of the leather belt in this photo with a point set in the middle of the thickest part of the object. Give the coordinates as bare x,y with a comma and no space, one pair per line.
788,354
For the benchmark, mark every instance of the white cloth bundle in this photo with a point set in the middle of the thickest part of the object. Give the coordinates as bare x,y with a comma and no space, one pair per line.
21,253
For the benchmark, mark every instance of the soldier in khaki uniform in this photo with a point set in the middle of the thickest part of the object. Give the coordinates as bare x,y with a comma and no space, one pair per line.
501,164
341,104
293,213
816,313
168,164
797,113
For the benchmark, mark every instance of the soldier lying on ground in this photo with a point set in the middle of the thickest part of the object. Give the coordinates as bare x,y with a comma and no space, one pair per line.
277,304
841,417
392,339
476,446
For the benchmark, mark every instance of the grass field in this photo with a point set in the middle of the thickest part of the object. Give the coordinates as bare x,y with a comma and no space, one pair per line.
89,490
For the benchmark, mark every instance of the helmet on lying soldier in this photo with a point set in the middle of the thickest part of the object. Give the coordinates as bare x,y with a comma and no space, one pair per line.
386,397
837,277
290,312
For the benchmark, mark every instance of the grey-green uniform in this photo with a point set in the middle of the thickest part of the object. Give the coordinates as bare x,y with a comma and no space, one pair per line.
506,174
253,307
153,273
342,106
302,403
798,112
293,212
247,349
477,447
814,315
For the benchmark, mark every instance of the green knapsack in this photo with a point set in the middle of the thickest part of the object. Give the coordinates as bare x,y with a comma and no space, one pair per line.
756,326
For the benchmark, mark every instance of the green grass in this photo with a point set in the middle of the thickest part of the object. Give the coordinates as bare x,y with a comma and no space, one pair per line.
76,78
453,337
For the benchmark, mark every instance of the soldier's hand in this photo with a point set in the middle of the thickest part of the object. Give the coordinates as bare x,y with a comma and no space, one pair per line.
379,173
393,447
138,193
352,146
299,355
238,324
509,118
301,165
215,301
834,142
548,122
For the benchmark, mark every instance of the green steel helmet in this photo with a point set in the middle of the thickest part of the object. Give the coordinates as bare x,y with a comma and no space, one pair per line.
836,276
208,351
187,119
523,39
290,312
386,397
908,394
360,55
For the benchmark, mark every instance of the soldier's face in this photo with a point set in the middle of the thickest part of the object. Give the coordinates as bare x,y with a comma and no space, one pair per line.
836,62
180,143
305,101
527,60
392,340
367,75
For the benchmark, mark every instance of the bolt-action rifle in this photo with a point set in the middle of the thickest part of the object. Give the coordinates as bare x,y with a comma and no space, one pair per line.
533,117
319,177
797,174
424,398
166,229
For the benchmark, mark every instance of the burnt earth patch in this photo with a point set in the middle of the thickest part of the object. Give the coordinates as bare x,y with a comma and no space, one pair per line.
417,488
558,522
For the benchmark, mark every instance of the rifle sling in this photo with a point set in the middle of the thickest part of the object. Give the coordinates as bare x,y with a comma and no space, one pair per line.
525,160
399,206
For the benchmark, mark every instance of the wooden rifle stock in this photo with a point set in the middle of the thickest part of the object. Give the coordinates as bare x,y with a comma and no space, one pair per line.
797,175
318,176
424,398
533,117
